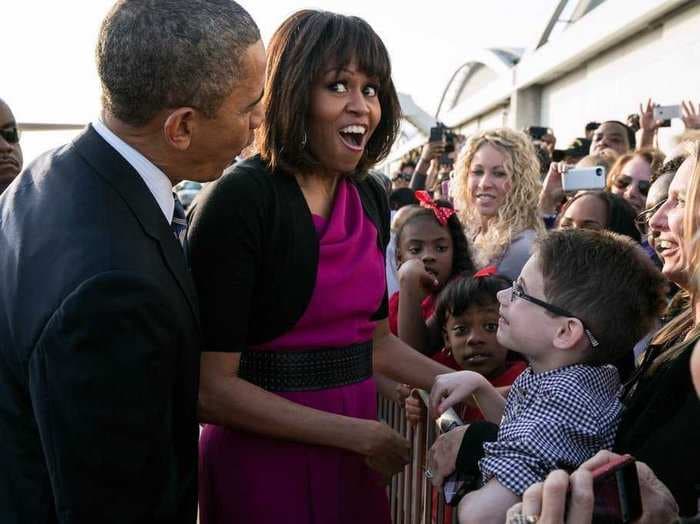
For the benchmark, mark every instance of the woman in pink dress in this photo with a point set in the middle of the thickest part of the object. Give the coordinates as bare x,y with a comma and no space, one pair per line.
287,250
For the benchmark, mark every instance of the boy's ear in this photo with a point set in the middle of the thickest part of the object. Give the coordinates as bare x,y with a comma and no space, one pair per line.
569,334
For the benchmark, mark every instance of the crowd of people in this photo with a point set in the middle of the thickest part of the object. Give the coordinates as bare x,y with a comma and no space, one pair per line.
158,365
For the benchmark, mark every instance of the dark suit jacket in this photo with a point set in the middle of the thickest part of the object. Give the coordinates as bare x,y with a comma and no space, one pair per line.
99,347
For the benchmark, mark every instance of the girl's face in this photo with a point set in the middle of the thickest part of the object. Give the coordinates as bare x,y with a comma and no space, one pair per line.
633,182
586,212
488,181
344,112
425,239
471,337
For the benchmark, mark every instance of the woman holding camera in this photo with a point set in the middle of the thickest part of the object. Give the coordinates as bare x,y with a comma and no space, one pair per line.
496,191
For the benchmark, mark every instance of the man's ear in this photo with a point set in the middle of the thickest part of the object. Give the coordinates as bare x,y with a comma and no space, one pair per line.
178,128
569,334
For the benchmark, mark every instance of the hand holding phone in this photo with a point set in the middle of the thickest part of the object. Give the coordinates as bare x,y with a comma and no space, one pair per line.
617,498
584,178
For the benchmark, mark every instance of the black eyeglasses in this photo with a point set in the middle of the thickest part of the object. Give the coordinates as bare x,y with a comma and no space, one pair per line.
517,292
641,221
623,182
10,134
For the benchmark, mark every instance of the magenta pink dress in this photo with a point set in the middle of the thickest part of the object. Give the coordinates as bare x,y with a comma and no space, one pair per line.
249,478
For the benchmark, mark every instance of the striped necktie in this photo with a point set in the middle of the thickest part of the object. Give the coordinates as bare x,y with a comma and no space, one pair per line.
179,223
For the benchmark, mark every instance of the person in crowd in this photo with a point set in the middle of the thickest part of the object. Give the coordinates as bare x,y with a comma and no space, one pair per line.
287,252
590,129
614,135
661,422
431,250
98,316
400,201
10,150
467,313
563,408
633,123
599,210
400,180
496,190
399,198
666,409
630,176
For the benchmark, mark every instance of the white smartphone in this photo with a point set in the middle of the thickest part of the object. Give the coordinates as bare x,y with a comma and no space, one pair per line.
667,112
578,179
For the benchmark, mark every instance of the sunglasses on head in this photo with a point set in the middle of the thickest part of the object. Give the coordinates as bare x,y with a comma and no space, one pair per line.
623,182
10,134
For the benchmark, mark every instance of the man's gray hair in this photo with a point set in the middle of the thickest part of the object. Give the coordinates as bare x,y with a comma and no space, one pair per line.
158,54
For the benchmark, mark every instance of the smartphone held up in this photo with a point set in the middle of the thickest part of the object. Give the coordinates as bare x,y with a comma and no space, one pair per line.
584,178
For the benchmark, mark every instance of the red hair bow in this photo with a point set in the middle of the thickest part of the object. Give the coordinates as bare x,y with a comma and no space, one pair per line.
442,214
488,271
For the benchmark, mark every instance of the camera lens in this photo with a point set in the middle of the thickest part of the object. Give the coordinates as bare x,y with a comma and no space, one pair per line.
599,172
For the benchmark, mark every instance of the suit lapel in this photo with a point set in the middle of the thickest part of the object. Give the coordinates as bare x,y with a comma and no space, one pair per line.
119,174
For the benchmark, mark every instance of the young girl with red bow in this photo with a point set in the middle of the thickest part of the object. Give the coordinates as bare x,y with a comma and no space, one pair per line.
431,249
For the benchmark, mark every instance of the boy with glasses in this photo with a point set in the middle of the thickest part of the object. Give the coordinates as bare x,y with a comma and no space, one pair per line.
581,302
10,151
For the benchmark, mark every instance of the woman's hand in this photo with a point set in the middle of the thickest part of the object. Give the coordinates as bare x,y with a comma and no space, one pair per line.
548,500
552,189
442,457
691,116
412,273
545,502
452,388
384,449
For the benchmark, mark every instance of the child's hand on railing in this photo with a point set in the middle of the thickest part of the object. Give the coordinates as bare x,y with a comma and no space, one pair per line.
415,410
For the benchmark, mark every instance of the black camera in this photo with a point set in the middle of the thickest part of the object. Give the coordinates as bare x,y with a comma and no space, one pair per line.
441,133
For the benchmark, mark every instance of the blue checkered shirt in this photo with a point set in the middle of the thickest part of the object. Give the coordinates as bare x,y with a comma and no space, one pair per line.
553,420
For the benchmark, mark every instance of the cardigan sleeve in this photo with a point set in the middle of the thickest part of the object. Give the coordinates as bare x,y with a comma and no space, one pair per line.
224,239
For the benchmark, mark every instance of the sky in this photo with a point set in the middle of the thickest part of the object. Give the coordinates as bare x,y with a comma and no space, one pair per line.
49,73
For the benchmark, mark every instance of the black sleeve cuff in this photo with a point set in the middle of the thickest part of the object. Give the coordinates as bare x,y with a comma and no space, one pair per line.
472,449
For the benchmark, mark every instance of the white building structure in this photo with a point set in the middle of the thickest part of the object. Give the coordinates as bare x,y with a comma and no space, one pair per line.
593,60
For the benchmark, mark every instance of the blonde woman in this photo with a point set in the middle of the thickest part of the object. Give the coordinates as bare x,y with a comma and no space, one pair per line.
496,192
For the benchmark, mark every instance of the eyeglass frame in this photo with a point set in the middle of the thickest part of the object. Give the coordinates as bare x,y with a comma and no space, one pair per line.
642,219
516,291
10,134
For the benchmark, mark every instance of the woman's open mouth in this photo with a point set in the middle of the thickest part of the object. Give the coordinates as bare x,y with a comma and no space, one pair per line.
353,137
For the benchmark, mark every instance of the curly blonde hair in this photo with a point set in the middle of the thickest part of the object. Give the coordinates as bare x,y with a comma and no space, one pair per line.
519,210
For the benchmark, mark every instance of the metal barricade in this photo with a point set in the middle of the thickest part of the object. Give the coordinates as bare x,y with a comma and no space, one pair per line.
412,498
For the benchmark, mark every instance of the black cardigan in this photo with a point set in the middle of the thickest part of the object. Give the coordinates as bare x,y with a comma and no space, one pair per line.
254,253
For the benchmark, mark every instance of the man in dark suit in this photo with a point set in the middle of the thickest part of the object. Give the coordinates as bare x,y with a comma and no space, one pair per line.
99,328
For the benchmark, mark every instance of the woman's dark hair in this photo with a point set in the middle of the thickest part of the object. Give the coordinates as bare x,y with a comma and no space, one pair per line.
466,291
620,217
304,46
461,257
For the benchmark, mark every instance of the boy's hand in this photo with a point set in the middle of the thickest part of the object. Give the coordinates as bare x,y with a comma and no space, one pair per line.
413,274
452,388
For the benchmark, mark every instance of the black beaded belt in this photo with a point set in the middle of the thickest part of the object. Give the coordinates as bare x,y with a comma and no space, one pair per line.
307,370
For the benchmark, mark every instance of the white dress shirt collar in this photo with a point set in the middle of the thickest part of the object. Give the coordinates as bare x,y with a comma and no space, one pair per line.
158,184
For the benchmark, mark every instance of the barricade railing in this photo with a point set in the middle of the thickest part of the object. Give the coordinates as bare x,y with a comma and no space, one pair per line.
411,495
